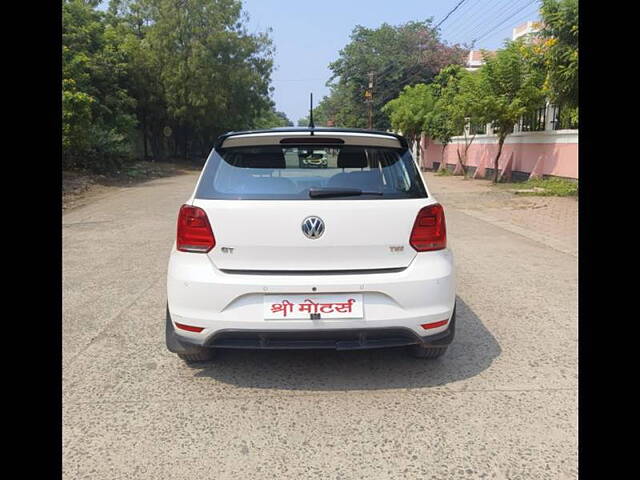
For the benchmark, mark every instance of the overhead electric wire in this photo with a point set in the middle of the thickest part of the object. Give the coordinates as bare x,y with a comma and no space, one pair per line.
467,16
511,9
526,15
477,21
491,38
505,11
481,28
464,19
449,14
501,23
464,32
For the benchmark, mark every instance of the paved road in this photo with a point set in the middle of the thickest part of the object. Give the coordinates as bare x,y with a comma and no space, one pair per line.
500,404
552,221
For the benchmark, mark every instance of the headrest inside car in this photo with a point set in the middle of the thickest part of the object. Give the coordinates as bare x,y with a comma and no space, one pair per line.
263,160
352,158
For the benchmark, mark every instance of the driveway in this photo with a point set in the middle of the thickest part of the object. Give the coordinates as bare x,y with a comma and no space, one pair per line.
500,404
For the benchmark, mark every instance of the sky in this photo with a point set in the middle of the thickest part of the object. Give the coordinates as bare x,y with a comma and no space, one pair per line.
309,34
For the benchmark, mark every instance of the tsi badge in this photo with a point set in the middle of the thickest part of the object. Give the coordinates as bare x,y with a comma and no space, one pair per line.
396,249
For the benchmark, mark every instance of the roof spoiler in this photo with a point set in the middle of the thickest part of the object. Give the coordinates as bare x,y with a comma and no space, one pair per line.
311,138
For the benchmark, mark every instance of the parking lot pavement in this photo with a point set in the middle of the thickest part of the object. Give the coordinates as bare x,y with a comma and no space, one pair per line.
500,404
552,221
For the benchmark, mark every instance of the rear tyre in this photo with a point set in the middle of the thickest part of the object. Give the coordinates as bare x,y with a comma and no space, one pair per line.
203,355
419,351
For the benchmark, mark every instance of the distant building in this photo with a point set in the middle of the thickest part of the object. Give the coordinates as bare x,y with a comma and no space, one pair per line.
475,59
526,30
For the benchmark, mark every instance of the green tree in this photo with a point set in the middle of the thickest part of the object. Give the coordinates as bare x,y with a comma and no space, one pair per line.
272,119
76,120
133,19
98,118
509,87
459,100
559,51
166,75
334,109
214,76
439,123
407,113
397,56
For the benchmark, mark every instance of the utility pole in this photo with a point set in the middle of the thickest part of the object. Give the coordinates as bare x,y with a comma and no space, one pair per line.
368,95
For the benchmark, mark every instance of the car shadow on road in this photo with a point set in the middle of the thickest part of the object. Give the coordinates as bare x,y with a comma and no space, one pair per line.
472,351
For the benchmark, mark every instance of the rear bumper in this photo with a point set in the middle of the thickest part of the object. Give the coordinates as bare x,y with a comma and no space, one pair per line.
229,307
338,339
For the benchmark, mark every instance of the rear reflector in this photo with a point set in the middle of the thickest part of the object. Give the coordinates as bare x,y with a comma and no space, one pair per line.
194,231
189,328
429,230
427,326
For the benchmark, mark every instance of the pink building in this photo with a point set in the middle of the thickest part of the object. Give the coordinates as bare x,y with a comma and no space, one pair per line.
535,148
542,153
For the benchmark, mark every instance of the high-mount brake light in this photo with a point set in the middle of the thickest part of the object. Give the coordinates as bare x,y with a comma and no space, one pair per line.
194,231
429,230
316,140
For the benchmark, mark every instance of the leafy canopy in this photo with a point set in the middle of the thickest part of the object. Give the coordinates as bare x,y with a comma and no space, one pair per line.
457,94
161,75
408,111
559,51
407,54
97,111
508,87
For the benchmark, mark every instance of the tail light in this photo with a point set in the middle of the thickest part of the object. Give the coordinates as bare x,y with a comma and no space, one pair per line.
429,230
194,231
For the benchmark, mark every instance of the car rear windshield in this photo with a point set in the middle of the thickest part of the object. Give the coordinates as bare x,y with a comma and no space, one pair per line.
310,172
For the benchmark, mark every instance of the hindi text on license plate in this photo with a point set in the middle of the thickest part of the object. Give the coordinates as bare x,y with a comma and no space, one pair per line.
292,307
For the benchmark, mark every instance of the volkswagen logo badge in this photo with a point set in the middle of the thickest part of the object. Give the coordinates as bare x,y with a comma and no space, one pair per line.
313,227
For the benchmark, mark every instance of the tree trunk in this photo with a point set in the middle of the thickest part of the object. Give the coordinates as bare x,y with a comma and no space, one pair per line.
156,146
200,144
413,147
466,150
495,161
462,166
144,133
156,139
443,163
426,146
186,143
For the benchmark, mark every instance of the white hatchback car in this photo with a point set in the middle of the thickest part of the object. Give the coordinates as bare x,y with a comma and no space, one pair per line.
275,253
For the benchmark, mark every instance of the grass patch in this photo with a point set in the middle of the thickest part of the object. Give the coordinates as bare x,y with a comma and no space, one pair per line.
444,172
548,187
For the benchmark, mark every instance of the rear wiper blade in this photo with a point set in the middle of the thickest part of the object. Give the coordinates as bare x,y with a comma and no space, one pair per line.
339,192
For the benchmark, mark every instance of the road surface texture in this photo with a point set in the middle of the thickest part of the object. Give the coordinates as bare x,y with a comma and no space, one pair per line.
501,404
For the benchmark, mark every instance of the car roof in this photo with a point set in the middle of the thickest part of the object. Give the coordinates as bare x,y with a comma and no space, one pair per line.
274,135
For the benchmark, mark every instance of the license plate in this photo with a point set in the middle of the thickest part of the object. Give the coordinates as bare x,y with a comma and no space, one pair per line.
315,307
